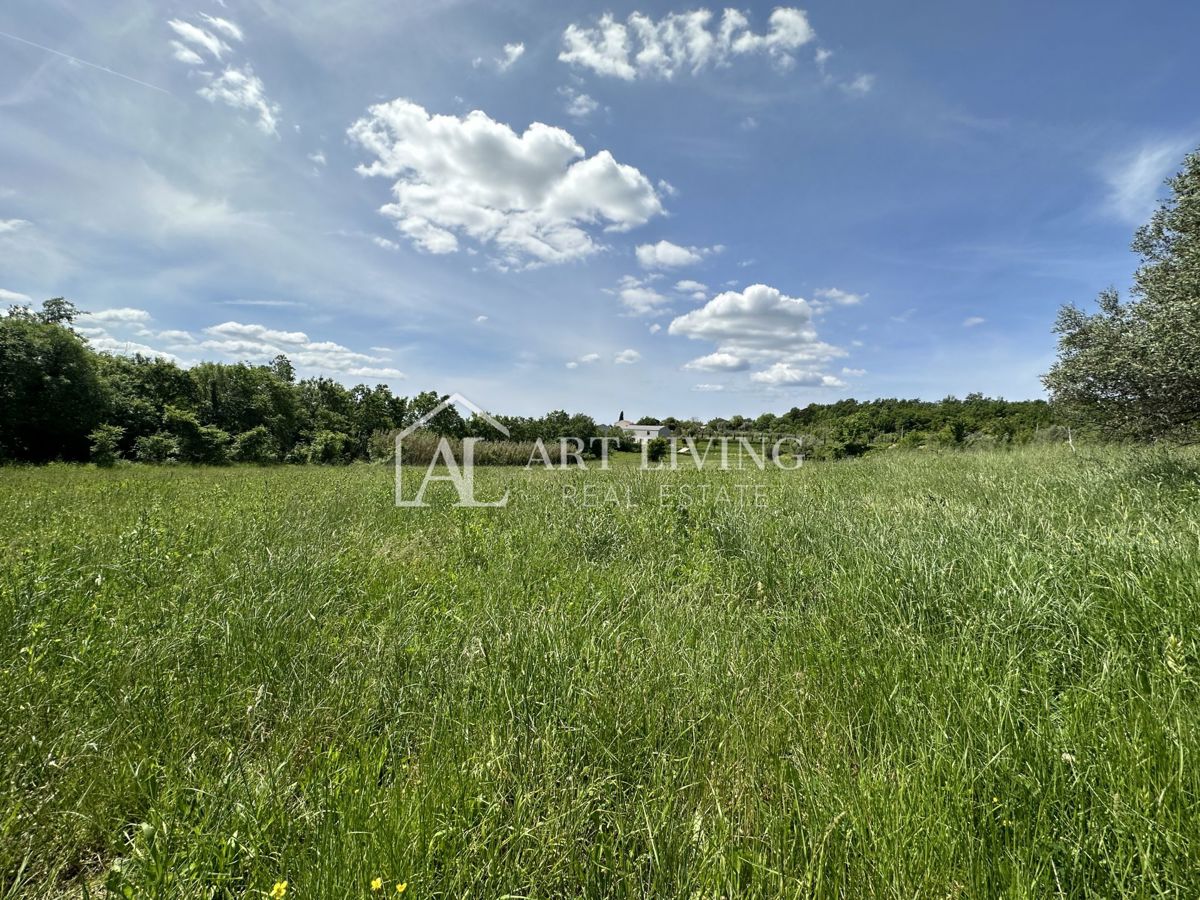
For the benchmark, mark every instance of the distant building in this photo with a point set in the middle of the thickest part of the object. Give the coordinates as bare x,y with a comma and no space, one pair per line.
642,433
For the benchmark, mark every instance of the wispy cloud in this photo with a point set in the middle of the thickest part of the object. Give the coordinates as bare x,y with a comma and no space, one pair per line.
1135,178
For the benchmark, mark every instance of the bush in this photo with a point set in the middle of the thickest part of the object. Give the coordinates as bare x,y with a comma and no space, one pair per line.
255,446
328,447
657,449
106,444
159,447
198,443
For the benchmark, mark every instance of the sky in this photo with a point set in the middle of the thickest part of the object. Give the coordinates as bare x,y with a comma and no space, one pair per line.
655,207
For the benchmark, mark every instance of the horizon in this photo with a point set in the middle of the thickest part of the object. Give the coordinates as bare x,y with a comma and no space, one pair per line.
754,214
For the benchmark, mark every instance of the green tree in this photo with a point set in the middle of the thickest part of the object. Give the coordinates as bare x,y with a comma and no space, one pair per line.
106,444
1133,368
256,446
50,394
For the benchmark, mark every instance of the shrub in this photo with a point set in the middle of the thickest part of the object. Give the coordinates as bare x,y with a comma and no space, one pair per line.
159,447
657,449
106,444
198,443
328,447
255,446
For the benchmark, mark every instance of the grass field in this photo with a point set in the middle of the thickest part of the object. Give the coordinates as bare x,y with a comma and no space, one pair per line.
966,675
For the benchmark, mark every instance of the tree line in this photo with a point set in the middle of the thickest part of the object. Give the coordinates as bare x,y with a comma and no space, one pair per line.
62,400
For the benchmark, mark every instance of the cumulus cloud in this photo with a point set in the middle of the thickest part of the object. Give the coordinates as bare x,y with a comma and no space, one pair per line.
719,362
10,225
758,326
124,330
639,297
531,196
783,374
665,255
643,47
235,85
627,357
696,289
972,321
580,106
586,360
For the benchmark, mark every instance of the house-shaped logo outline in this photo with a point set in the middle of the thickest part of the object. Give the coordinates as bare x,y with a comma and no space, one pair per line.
454,399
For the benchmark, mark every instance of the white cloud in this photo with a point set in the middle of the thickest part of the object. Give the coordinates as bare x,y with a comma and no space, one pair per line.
237,340
186,54
757,326
830,297
680,42
642,300
579,106
860,86
639,297
696,289
531,196
512,52
224,26
236,85
748,124
20,299
384,243
318,158
655,328
1135,180
783,374
586,360
106,343
198,37
9,225
242,89
708,388
972,321
627,357
719,362
481,319
665,255
853,373
123,314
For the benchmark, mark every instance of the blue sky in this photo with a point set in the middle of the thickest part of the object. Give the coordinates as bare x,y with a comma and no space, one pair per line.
662,208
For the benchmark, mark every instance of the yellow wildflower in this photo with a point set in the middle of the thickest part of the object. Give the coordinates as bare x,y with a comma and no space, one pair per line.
401,887
278,891
376,884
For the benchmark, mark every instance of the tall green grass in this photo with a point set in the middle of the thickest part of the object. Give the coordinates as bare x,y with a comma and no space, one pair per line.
904,676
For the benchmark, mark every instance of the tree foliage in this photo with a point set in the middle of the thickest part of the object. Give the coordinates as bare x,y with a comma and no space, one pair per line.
1133,368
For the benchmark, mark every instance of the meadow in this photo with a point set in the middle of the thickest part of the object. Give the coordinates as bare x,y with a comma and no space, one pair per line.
906,675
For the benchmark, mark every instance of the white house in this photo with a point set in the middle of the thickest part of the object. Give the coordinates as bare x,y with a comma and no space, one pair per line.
642,433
